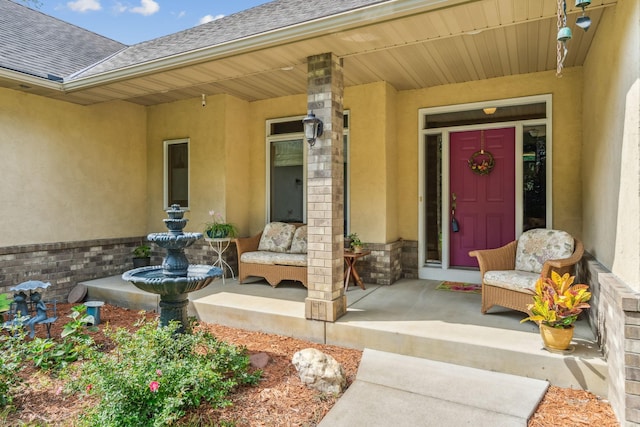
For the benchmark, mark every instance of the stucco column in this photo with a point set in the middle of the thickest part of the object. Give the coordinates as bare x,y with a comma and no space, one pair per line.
325,194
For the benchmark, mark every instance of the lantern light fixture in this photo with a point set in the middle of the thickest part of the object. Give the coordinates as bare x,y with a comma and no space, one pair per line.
313,128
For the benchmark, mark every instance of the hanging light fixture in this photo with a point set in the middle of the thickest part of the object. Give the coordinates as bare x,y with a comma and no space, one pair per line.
313,128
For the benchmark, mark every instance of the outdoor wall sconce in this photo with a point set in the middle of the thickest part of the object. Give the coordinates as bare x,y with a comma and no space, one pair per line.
204,100
312,128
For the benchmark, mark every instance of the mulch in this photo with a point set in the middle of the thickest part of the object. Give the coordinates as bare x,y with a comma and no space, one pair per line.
280,399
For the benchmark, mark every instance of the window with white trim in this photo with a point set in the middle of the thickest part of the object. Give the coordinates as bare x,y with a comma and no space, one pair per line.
176,172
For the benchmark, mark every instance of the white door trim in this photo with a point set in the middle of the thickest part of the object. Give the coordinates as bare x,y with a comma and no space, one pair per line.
442,271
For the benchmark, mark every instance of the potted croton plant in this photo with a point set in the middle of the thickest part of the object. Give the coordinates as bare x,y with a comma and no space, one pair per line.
557,303
217,228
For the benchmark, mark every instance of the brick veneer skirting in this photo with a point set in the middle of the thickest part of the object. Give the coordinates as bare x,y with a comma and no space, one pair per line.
64,264
615,316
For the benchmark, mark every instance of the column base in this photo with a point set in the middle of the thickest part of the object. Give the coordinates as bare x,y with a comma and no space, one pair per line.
328,311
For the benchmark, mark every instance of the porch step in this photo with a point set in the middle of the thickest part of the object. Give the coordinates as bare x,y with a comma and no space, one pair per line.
409,318
391,389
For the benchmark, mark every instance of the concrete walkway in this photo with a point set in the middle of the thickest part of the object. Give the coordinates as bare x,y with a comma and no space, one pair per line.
396,390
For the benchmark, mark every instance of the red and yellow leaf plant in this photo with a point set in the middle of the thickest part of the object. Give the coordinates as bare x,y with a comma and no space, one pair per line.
557,302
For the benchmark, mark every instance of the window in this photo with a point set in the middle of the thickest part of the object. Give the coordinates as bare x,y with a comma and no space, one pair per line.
287,170
176,172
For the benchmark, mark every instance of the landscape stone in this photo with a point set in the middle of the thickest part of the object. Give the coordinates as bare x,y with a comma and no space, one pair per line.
319,371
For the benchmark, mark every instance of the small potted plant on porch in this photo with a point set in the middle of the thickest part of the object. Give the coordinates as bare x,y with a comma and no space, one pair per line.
141,256
557,302
217,228
356,243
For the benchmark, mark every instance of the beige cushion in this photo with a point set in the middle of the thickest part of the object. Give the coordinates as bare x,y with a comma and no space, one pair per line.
511,279
276,237
535,247
299,242
274,258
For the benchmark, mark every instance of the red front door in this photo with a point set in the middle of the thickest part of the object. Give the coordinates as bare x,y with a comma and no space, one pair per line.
484,204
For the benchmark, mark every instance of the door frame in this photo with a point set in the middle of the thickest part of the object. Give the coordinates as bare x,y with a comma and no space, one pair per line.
443,271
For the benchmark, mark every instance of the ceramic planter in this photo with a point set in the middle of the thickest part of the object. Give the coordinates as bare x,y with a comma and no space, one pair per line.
556,338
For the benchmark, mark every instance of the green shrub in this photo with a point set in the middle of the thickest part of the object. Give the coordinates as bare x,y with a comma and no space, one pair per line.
154,375
48,354
12,355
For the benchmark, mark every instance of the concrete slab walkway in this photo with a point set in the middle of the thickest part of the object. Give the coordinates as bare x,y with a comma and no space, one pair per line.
396,390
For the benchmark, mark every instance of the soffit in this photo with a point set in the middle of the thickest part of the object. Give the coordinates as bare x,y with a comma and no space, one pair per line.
469,41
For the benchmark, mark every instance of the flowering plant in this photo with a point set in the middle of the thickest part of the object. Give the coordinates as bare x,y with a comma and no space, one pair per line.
218,228
557,302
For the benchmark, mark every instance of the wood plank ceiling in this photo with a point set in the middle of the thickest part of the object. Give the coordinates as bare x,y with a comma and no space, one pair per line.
471,41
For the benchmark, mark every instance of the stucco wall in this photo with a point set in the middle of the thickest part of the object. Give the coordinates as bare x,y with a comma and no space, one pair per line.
70,172
372,161
611,162
567,136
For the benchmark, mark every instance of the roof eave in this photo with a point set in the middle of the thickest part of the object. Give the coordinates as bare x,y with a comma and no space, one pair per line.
309,29
23,78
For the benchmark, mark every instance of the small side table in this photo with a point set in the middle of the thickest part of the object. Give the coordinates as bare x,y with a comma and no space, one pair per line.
350,259
219,245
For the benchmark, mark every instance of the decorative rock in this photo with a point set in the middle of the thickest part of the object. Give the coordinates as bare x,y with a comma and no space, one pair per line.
259,360
319,371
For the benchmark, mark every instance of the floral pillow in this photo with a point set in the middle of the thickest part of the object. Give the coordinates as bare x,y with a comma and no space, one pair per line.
535,247
299,243
276,237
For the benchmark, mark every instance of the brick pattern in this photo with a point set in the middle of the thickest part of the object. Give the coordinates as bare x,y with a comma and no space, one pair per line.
384,265
64,264
409,259
615,316
325,87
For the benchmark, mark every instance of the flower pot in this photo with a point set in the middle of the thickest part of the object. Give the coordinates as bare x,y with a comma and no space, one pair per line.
217,234
141,262
357,249
556,338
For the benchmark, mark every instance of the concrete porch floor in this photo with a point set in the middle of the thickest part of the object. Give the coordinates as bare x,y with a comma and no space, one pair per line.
409,317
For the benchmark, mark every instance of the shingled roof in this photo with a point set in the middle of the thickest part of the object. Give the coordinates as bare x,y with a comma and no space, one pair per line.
37,44
40,45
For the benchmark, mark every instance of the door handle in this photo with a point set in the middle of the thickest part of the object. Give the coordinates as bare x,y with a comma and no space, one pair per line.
455,227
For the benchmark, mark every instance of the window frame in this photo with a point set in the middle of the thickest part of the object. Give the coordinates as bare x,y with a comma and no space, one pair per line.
167,143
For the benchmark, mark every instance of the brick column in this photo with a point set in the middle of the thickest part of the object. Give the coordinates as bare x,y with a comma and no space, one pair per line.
325,194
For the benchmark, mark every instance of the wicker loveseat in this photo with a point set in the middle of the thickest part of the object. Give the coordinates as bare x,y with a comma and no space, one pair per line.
278,253
508,272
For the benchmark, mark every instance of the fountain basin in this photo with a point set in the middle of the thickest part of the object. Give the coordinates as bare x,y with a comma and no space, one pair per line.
152,279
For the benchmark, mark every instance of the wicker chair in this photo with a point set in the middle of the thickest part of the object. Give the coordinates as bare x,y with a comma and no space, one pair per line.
274,273
510,271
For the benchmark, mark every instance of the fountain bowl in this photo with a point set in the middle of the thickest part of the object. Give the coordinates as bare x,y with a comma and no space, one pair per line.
152,279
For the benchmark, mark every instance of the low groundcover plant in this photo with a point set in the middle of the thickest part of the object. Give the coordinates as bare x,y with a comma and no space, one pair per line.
155,374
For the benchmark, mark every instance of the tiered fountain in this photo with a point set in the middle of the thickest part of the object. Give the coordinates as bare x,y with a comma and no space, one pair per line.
175,278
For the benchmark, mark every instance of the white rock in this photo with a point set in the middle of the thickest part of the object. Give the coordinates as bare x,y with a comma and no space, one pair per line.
319,371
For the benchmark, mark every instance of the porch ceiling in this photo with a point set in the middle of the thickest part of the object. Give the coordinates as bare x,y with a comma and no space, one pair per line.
466,41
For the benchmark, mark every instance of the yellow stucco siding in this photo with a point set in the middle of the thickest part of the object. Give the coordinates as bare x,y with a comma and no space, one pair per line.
70,172
260,112
205,128
368,161
566,93
611,158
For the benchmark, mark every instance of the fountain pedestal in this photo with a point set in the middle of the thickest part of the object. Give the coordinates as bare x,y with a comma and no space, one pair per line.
175,278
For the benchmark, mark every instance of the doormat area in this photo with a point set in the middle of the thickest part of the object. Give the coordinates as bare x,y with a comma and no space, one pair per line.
460,287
